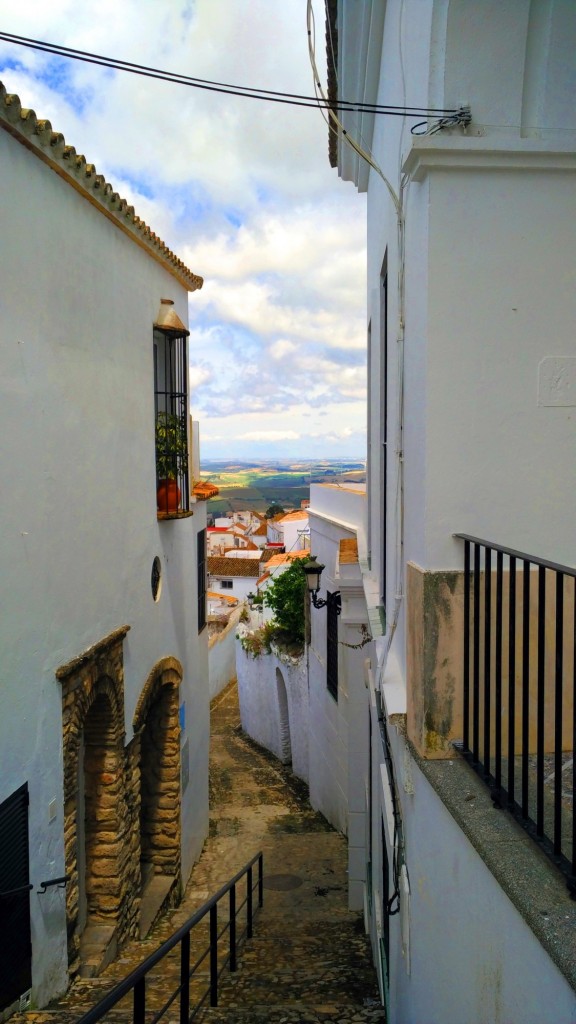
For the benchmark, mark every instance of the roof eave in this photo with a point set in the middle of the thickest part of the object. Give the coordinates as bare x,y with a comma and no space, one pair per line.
50,147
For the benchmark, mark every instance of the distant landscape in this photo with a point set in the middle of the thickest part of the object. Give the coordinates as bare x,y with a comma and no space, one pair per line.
257,485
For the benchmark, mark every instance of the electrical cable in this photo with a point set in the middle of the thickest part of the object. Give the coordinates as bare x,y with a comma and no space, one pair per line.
248,92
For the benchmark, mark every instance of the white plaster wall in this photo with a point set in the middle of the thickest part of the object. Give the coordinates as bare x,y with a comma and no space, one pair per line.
488,293
294,537
328,717
80,532
260,710
222,655
241,585
473,957
500,465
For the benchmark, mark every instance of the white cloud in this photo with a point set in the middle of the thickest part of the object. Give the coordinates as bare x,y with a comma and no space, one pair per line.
270,435
240,189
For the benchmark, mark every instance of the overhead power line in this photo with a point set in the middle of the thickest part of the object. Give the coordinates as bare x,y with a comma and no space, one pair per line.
270,95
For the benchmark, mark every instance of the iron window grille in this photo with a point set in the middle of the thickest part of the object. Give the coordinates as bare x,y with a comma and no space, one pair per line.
332,608
171,418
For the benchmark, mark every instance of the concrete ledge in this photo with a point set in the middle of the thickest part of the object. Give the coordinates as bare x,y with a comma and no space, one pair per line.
530,880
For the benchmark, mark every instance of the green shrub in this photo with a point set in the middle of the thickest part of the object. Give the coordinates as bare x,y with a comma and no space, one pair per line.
285,596
259,642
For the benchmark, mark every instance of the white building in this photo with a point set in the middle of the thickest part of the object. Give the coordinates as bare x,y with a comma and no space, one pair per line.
234,577
472,389
105,697
295,530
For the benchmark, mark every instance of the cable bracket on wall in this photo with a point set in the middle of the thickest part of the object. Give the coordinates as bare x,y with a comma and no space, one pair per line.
461,118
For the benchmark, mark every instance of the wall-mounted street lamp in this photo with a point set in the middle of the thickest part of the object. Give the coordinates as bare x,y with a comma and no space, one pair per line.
251,598
313,570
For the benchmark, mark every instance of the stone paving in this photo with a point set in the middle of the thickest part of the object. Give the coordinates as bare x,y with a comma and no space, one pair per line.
309,960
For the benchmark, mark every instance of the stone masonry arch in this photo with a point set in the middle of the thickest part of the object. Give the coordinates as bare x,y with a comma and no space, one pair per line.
100,802
156,725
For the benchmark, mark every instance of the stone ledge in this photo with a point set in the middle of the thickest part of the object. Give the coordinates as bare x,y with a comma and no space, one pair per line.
93,652
534,886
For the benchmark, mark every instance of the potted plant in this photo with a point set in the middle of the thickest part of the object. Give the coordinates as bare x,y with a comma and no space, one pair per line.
171,459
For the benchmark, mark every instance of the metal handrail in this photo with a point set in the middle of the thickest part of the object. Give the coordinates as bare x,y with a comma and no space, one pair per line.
566,570
136,981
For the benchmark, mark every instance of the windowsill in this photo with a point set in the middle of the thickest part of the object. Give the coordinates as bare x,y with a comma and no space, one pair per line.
180,514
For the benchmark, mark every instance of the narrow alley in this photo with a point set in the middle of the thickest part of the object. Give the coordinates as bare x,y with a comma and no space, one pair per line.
309,960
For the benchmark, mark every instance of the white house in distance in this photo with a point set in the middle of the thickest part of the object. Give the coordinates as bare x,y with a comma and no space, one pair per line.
295,530
234,576
465,567
105,725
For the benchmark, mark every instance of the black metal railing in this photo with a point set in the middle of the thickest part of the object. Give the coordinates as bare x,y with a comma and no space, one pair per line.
519,699
212,959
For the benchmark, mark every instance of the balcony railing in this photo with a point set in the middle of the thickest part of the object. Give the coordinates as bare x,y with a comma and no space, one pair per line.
519,724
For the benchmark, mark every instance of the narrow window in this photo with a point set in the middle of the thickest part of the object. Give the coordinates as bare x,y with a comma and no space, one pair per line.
227,584
201,563
171,408
332,644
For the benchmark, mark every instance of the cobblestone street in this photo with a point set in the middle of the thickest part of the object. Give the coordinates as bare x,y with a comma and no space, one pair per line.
309,960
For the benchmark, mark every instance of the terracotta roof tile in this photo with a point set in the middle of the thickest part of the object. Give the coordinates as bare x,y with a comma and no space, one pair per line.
221,597
50,147
291,516
290,556
220,566
204,490
267,554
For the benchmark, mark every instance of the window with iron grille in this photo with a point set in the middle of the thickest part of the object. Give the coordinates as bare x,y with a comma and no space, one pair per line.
332,644
201,562
172,414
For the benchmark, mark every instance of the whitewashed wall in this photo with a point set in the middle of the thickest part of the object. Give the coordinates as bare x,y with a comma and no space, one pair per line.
279,724
241,585
490,223
472,956
79,533
335,730
296,534
222,655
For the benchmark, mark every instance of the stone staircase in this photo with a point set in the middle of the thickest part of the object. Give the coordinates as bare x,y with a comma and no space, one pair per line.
295,971
309,960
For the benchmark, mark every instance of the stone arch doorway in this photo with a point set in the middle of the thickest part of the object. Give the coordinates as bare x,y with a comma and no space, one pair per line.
157,725
101,894
100,783
284,719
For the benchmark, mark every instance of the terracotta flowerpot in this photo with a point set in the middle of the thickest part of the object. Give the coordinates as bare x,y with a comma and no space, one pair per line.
168,496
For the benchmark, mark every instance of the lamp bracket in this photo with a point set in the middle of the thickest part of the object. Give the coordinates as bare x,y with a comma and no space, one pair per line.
332,599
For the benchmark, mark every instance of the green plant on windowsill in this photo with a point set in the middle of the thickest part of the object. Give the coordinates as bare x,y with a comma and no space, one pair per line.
171,446
171,460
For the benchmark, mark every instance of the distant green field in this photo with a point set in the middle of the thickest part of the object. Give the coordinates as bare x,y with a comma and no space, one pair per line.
246,485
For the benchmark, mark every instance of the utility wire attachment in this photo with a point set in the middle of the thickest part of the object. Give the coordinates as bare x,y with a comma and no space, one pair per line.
461,118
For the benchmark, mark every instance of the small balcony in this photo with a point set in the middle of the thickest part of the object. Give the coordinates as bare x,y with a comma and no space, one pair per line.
519,678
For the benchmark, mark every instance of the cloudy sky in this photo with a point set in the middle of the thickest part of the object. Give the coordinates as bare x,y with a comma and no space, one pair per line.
241,190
